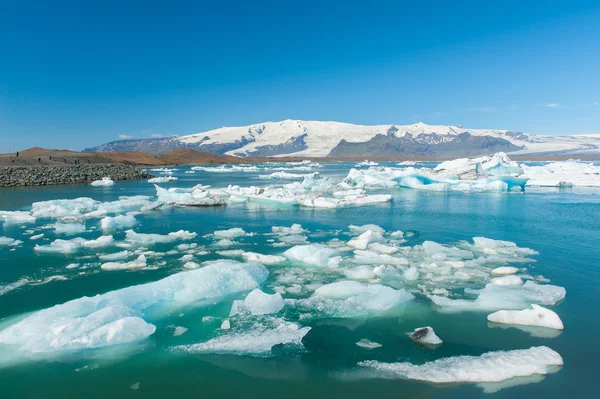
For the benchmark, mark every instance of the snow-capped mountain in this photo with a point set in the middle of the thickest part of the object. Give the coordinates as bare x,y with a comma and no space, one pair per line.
336,139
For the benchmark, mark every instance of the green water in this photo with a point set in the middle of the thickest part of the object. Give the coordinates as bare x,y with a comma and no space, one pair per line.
564,227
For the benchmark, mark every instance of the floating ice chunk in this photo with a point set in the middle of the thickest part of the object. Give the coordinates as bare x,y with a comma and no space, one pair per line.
498,297
257,340
353,200
504,270
285,175
69,228
9,242
366,238
151,239
231,252
365,228
231,233
314,254
37,236
106,181
264,259
284,231
536,316
363,272
117,222
226,324
62,208
258,303
162,179
179,330
561,174
411,274
498,164
351,298
367,163
191,265
16,217
425,335
115,256
367,344
6,288
138,263
507,280
224,243
117,317
489,367
100,242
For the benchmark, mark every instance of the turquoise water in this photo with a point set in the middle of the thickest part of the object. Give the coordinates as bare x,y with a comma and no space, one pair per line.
563,226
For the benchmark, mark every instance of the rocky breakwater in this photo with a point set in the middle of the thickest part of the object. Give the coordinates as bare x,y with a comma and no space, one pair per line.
45,175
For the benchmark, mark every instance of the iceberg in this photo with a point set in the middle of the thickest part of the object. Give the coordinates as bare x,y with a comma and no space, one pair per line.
313,254
117,222
230,234
104,182
258,303
122,316
489,367
351,299
536,316
151,239
497,297
563,174
9,242
258,340
162,179
138,263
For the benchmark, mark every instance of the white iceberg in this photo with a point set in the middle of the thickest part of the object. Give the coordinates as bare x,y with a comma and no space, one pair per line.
489,367
258,340
258,303
105,181
119,316
536,316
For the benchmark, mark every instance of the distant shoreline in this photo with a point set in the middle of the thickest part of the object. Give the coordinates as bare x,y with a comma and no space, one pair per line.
52,175
46,157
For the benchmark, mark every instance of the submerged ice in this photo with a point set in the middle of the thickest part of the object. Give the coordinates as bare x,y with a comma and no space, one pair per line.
123,316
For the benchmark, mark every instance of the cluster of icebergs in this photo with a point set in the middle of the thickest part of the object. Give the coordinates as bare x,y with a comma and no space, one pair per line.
495,173
362,271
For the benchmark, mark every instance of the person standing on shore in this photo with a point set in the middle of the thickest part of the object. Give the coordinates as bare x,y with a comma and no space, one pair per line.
17,154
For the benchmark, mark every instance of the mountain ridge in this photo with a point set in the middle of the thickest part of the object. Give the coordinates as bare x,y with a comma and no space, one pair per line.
338,139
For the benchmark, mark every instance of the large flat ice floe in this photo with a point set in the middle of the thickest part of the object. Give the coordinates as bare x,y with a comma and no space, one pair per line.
257,339
121,316
489,367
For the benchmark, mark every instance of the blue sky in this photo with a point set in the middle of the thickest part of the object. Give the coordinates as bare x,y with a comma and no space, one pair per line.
80,73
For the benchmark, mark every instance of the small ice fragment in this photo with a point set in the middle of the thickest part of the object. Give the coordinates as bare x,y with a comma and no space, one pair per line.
504,270
179,331
135,386
367,344
226,325
191,265
507,280
231,233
